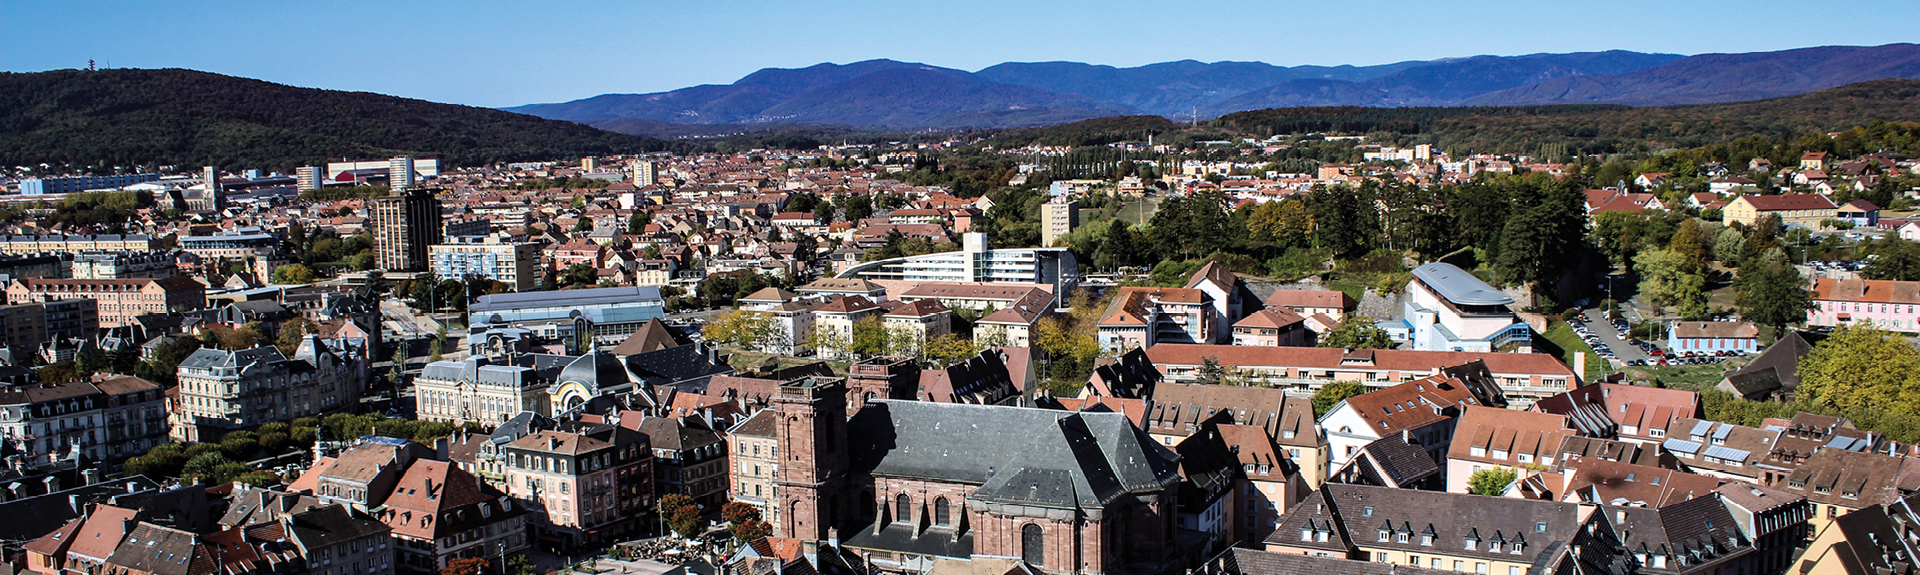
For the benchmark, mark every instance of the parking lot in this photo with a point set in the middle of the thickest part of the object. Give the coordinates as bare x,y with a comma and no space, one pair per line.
1611,341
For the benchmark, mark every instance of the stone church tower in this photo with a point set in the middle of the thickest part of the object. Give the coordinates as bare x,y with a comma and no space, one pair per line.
812,431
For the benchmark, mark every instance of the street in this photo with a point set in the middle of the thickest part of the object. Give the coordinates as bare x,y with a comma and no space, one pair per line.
1599,327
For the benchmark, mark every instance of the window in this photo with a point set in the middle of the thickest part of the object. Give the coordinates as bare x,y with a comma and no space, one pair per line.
1540,527
1032,541
902,508
940,511
1383,535
1380,557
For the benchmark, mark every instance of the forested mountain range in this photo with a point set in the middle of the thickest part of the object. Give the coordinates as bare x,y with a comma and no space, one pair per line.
886,94
128,117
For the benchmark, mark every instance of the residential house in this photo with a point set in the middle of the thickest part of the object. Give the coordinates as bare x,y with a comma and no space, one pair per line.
1709,337
1447,531
1273,328
689,456
1487,438
1879,304
1142,317
755,456
1424,410
1522,378
1307,303
1837,482
593,484
1633,413
1860,213
1810,211
834,321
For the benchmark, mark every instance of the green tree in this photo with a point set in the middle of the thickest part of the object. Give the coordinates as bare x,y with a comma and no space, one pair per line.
871,337
1692,246
1493,481
291,334
292,274
1857,368
682,515
580,275
1728,245
206,467
1771,292
1357,333
1331,394
1894,259
743,328
1666,282
637,223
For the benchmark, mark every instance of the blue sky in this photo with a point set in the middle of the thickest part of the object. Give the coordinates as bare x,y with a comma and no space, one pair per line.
500,53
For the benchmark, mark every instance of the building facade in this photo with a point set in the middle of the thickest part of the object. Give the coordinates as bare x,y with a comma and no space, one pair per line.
403,227
593,485
224,390
1058,217
478,390
118,301
514,264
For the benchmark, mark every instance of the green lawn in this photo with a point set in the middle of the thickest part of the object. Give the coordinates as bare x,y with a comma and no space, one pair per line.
1352,289
1687,377
1130,212
1570,343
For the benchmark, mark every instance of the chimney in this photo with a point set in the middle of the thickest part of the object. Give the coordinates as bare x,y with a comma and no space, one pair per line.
833,537
440,448
73,502
1579,365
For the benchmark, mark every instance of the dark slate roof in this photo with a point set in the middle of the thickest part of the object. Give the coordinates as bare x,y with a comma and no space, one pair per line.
245,360
1452,519
1017,455
332,525
37,515
597,369
899,537
1778,365
675,364
1458,286
1403,463
1241,561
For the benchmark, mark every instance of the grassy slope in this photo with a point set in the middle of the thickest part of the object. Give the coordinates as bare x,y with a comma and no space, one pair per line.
1570,343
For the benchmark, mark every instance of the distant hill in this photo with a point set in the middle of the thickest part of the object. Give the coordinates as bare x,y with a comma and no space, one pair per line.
1601,128
127,117
1710,78
870,94
885,94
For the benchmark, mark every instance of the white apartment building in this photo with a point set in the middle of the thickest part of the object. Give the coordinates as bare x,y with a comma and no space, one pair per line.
462,258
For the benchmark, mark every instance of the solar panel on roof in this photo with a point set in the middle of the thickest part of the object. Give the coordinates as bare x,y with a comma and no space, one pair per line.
1726,453
1842,443
1721,433
1681,445
1700,428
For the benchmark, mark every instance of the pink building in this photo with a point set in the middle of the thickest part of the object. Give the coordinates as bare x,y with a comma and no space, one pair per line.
1888,305
594,485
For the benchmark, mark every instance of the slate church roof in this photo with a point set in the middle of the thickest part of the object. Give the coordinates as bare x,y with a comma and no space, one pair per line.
1016,455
